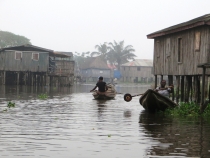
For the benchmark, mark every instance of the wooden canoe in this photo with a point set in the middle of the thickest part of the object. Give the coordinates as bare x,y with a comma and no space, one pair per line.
153,101
109,94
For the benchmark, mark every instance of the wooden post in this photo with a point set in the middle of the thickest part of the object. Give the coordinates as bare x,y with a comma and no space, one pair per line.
36,83
196,88
25,78
209,93
161,78
206,88
46,80
182,88
199,89
203,87
4,78
155,81
32,79
177,88
1,73
187,89
190,86
18,78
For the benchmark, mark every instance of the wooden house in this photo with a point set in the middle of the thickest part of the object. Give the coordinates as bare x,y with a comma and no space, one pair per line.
32,65
93,67
139,70
179,50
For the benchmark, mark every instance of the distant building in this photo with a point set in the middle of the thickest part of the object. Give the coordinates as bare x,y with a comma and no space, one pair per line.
93,67
139,70
32,65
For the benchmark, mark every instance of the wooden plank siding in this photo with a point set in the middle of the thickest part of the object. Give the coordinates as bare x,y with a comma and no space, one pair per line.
129,73
26,63
166,59
63,68
95,73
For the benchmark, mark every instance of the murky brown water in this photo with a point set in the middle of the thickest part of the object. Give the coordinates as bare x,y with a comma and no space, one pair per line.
71,124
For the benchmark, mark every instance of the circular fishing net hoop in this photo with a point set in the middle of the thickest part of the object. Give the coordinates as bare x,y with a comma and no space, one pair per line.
127,97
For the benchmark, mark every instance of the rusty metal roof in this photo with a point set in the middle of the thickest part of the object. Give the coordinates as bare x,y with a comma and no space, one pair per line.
61,54
140,62
199,21
94,63
27,47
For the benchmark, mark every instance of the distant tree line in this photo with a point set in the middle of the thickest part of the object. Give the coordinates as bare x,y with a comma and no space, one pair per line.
8,39
115,53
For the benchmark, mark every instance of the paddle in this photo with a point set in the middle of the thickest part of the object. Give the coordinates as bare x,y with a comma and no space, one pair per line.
128,97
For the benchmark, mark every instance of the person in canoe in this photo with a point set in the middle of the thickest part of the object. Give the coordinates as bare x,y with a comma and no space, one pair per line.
102,87
163,90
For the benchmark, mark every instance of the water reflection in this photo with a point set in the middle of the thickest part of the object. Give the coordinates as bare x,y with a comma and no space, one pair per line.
176,137
71,123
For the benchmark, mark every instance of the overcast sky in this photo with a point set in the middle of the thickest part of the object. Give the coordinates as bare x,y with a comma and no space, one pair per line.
79,25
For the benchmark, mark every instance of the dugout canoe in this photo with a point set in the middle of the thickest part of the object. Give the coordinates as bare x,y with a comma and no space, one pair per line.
109,94
153,101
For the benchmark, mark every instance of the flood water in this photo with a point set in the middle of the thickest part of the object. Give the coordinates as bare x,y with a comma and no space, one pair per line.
71,124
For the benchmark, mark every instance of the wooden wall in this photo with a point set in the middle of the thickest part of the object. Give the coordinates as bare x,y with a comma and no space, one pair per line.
129,73
166,52
106,73
8,62
64,68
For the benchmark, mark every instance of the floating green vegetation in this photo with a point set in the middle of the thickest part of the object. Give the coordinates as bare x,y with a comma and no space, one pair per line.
11,105
190,109
109,135
43,96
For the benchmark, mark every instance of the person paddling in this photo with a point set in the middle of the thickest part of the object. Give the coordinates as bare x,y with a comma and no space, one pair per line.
102,87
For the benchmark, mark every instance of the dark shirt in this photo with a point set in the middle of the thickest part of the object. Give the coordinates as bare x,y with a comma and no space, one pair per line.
101,86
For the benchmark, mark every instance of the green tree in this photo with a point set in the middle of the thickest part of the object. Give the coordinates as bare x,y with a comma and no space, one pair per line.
80,57
102,50
118,54
8,39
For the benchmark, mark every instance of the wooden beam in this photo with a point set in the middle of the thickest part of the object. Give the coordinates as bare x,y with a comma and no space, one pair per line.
155,81
203,86
182,88
177,88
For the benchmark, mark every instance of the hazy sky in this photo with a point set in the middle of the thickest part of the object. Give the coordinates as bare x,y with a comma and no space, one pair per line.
79,25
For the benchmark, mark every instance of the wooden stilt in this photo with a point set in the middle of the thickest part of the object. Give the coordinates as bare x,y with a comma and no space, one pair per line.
177,88
4,78
32,79
18,78
190,86
199,90
203,87
155,81
182,88
187,89
161,78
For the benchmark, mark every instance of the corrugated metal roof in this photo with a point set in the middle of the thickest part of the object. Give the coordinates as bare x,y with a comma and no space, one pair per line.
27,47
62,54
140,62
202,20
94,62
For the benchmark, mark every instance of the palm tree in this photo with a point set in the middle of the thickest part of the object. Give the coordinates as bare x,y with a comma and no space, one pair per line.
118,54
102,50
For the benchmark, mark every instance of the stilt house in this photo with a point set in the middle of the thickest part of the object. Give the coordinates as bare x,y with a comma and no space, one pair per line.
93,67
32,65
139,70
179,52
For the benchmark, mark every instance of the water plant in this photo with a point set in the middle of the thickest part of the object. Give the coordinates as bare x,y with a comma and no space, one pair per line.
10,104
43,96
190,109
